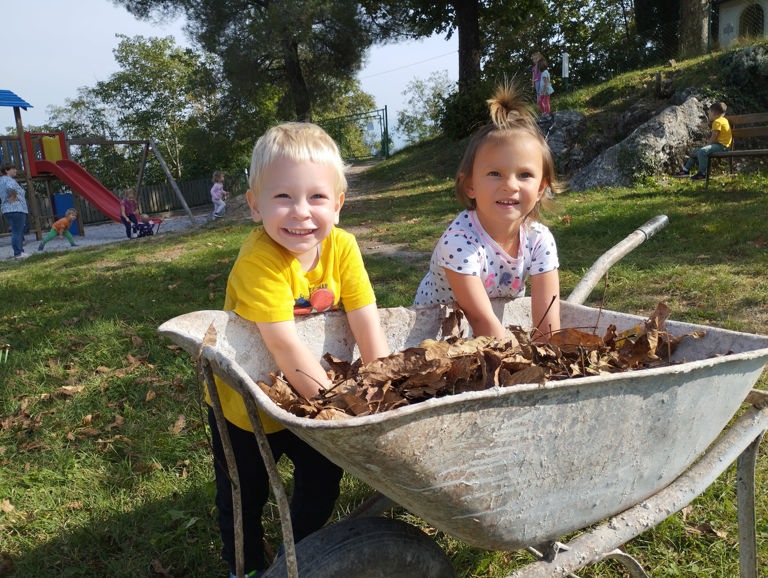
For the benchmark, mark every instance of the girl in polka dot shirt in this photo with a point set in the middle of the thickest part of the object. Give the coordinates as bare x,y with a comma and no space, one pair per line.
496,244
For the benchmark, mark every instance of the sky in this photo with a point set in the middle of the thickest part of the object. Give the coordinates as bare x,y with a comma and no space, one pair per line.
59,46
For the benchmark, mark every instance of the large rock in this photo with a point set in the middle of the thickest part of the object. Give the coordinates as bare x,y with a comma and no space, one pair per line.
658,145
563,131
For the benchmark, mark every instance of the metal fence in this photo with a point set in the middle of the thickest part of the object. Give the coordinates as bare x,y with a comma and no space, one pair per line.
360,136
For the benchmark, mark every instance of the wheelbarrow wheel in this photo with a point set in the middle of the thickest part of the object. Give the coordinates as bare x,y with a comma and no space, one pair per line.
367,548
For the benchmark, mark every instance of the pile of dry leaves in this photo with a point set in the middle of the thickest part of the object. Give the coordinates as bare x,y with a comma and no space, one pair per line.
456,365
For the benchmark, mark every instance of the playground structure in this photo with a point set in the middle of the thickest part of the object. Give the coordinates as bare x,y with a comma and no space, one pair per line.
44,157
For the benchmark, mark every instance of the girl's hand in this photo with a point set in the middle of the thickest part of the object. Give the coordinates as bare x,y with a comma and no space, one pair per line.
471,296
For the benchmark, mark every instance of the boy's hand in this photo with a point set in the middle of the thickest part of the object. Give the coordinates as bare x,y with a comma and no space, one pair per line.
300,366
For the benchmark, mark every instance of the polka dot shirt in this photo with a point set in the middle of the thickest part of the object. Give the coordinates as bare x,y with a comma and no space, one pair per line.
466,248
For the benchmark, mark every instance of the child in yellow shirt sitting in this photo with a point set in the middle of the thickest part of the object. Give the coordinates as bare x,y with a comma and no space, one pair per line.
720,139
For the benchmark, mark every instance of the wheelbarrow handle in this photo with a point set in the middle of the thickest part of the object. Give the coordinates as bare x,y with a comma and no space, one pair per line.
606,260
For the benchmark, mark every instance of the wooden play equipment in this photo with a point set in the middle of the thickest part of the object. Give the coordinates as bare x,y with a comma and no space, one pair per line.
49,155
44,157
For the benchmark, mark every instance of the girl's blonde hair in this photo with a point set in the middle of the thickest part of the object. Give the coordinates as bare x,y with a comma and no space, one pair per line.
296,141
511,116
217,175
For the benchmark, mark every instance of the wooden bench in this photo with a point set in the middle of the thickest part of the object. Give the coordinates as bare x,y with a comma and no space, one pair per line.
743,126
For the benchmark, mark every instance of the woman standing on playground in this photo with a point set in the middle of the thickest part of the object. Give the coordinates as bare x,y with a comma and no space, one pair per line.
129,211
14,208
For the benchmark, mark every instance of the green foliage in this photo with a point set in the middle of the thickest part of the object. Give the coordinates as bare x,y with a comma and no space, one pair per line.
300,49
745,72
353,122
464,111
160,92
600,38
426,99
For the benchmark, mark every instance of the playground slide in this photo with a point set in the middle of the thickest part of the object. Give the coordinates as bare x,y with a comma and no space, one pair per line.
84,185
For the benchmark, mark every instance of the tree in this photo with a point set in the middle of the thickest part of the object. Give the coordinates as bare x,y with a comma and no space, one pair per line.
478,23
161,92
294,50
154,92
421,120
659,21
694,15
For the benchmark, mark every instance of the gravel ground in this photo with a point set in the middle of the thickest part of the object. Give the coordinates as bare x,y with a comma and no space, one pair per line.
101,234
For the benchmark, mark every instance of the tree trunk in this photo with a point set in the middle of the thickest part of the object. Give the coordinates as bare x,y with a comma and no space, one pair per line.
694,29
298,86
467,23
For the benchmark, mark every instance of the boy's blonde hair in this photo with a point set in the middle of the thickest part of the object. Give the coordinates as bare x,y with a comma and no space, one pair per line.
510,116
296,141
70,212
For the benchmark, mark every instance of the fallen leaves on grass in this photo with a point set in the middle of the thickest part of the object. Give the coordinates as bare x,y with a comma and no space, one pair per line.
457,365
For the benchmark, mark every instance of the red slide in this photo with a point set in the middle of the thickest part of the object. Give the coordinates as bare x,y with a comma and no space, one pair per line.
84,185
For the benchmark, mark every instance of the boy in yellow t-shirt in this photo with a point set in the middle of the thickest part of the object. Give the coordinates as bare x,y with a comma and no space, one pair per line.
298,262
720,139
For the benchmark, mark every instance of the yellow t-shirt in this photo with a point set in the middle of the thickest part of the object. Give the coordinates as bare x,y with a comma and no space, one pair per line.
267,285
725,136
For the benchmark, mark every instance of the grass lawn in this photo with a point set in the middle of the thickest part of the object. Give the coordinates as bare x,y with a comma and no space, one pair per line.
104,456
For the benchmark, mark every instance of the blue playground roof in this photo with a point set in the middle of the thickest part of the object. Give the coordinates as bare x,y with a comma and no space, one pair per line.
7,98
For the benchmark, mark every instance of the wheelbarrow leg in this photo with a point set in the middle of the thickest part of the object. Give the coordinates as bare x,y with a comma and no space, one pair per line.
234,476
274,477
291,564
745,491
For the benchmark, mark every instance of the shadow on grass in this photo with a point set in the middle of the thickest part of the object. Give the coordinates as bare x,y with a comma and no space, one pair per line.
174,537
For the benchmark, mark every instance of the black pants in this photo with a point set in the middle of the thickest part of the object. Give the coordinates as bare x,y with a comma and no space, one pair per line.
129,222
315,489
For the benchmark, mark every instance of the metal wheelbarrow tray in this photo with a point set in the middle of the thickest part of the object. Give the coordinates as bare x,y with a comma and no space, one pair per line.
517,467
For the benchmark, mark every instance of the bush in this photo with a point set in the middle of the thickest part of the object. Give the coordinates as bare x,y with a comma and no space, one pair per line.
464,111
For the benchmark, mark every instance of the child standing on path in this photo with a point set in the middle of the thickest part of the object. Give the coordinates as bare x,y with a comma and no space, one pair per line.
60,228
545,86
129,211
13,203
720,139
218,195
536,74
496,243
297,262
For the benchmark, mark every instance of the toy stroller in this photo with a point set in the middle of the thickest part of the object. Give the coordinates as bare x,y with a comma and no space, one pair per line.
147,226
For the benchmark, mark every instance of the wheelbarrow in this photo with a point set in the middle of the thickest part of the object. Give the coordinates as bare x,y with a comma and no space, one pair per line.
511,468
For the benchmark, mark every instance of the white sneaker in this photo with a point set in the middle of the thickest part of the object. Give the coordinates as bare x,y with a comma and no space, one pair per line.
21,256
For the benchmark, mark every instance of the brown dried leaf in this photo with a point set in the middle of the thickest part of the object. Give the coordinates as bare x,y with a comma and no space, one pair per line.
68,390
705,529
178,425
569,339
330,413
532,374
